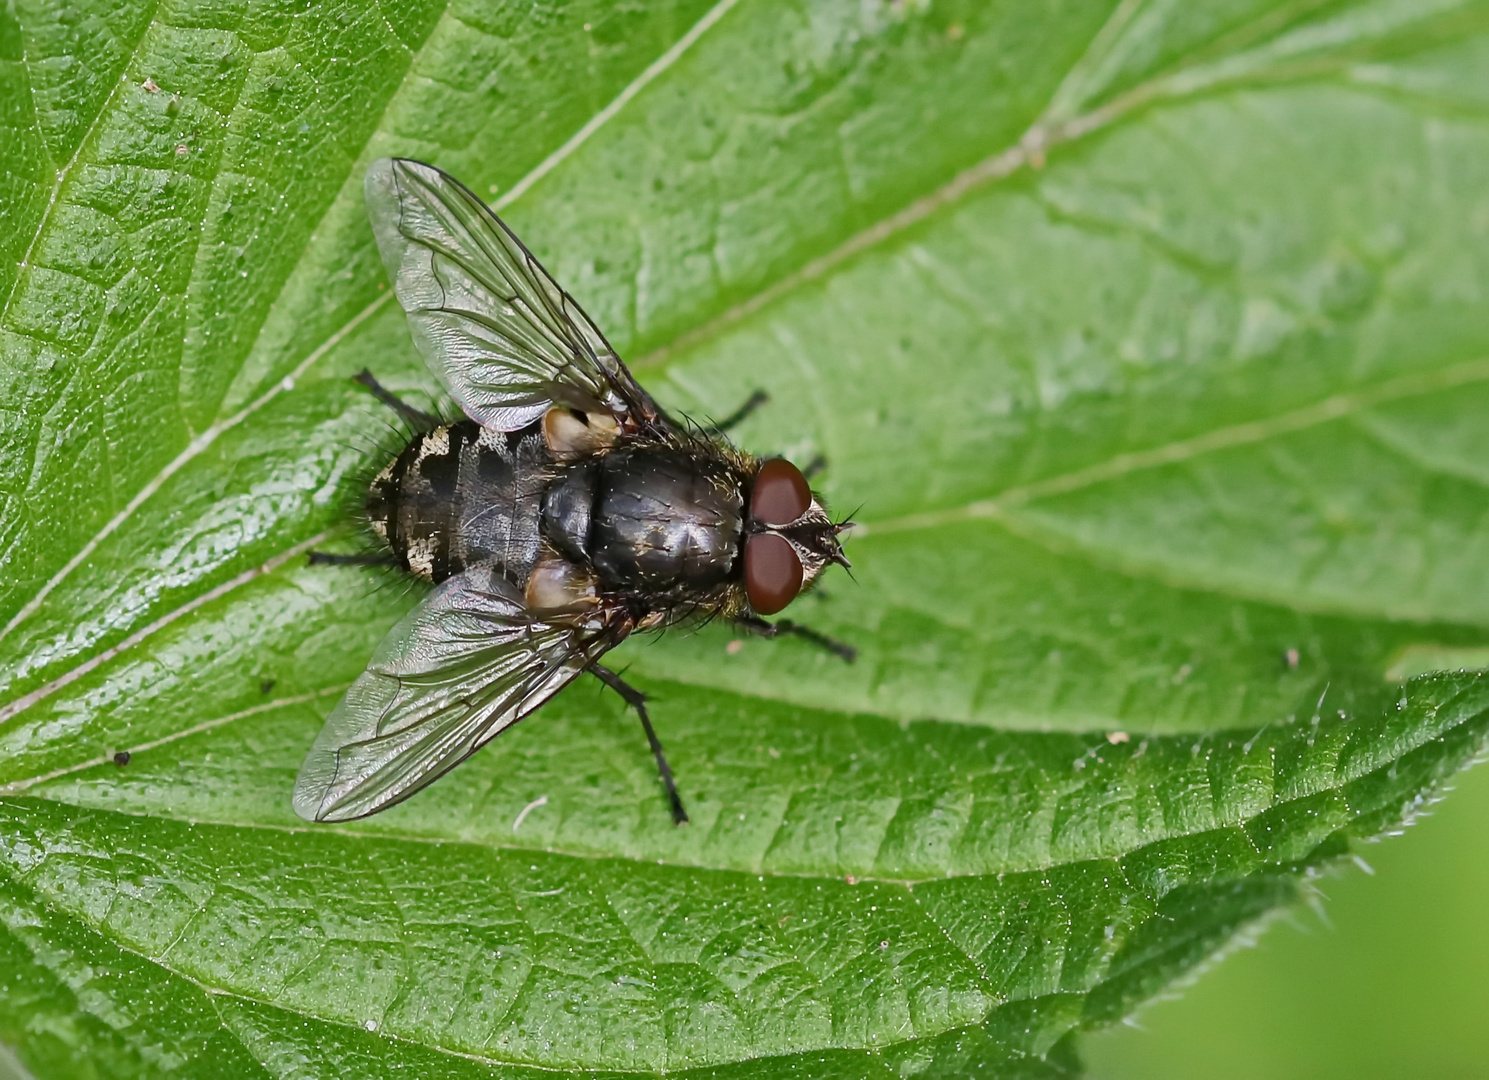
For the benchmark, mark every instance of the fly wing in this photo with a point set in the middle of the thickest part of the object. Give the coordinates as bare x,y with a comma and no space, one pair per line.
506,341
457,671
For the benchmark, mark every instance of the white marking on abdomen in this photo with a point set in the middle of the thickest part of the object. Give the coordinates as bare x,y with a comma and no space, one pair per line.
435,444
420,553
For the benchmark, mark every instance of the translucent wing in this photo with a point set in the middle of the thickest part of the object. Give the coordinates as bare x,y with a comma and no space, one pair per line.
458,670
505,340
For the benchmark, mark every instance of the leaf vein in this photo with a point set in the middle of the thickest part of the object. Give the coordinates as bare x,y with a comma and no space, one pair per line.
1332,408
85,142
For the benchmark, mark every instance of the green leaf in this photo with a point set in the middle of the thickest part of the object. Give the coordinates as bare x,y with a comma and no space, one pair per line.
1148,336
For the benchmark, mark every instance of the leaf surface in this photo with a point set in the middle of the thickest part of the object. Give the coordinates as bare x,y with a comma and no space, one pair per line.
1148,337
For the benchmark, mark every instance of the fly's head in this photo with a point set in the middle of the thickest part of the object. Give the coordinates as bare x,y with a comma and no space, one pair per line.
789,539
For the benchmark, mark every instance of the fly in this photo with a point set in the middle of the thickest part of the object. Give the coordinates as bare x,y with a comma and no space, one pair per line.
565,512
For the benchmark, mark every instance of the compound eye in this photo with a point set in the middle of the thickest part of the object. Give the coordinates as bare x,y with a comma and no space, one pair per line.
781,493
772,573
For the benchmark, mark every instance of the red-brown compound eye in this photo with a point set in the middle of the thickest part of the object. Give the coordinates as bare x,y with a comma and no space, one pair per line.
772,573
781,493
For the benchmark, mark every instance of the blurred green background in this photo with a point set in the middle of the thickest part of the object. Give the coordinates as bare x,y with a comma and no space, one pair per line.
1391,981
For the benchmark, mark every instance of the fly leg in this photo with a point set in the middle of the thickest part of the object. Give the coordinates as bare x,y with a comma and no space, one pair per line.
637,700
325,558
420,421
417,418
757,625
757,399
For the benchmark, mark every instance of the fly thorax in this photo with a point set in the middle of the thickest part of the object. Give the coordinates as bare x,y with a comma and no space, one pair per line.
665,519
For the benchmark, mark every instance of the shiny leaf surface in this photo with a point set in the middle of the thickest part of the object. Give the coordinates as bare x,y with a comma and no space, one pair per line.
1148,337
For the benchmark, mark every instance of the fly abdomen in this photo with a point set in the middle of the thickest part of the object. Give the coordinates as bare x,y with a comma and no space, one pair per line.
462,494
568,509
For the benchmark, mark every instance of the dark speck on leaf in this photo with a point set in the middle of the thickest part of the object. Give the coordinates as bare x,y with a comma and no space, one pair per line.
266,686
121,758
